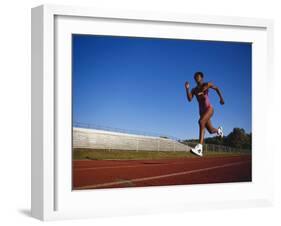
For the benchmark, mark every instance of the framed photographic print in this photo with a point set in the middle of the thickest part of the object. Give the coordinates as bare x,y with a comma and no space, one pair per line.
137,112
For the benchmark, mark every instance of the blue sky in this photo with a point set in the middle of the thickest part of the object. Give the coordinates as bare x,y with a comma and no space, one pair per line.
138,83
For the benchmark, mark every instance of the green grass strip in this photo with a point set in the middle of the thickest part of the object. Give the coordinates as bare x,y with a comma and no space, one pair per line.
101,154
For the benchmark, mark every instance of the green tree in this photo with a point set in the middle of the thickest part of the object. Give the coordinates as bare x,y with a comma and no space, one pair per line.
238,138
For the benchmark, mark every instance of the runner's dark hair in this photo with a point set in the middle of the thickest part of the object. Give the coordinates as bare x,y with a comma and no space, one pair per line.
199,73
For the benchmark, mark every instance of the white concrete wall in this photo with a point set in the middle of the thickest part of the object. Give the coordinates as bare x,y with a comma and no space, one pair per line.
99,139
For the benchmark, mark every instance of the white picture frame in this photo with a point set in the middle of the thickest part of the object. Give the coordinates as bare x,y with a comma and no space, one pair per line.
52,197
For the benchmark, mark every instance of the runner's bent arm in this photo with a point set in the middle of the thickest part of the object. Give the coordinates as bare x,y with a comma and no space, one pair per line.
189,95
212,86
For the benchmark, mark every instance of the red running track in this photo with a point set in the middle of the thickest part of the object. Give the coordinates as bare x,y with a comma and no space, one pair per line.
94,174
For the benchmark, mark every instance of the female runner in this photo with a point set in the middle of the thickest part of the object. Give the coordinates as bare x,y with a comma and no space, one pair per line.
206,110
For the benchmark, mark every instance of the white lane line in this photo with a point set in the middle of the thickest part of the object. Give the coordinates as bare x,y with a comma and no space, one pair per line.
161,176
140,164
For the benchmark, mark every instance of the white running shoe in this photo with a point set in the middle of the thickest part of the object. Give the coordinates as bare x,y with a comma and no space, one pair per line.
197,150
220,132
